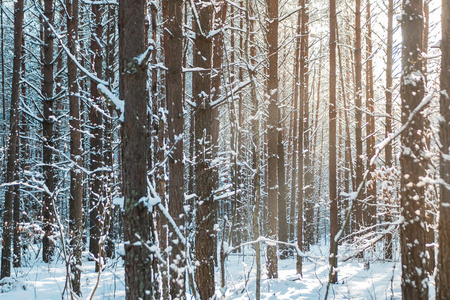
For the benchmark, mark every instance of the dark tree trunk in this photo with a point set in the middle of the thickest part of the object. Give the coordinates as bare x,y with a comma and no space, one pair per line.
309,184
98,223
175,127
204,185
13,146
76,187
138,221
413,163
443,273
332,146
358,222
388,130
272,126
370,210
48,142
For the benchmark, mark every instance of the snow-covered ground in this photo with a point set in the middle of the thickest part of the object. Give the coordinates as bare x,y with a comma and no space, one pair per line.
380,281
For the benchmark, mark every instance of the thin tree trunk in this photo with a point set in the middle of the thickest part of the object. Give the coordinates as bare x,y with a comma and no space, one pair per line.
97,199
371,209
272,126
49,174
309,179
358,115
76,187
389,251
13,146
332,146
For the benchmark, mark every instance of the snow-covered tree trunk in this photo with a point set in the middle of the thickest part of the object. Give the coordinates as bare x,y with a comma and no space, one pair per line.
443,274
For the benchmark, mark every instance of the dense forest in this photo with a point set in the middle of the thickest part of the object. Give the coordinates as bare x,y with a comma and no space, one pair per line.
225,149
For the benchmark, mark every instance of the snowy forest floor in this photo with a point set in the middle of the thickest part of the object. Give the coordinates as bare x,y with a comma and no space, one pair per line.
380,281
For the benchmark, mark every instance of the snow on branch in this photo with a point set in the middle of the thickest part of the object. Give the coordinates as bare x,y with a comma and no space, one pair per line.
116,102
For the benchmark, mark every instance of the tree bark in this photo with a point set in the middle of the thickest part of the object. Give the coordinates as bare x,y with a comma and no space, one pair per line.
443,273
413,163
48,142
175,127
98,223
76,178
138,220
13,146
272,126
332,147
204,185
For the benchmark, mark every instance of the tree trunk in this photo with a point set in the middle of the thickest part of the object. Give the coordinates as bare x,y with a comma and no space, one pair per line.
371,187
443,273
175,127
138,221
309,179
358,222
49,174
206,208
76,178
272,126
413,163
13,146
332,147
97,219
389,251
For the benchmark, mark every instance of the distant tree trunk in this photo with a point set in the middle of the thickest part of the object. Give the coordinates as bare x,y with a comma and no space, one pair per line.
295,136
272,126
300,170
371,209
413,163
206,208
309,179
332,146
358,116
443,273
49,174
175,127
388,129
138,221
76,178
282,218
13,146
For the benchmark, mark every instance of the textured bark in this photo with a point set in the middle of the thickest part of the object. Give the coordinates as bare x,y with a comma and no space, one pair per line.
295,152
204,185
98,223
413,163
304,88
332,146
443,273
388,129
175,124
370,210
138,221
76,187
13,146
272,136
48,139
359,169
